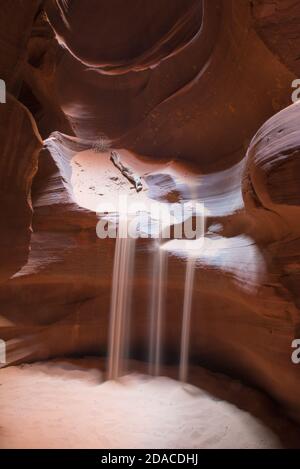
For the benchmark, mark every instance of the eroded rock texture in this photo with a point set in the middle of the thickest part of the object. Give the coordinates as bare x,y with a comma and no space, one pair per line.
191,102
16,24
278,24
191,81
19,148
19,142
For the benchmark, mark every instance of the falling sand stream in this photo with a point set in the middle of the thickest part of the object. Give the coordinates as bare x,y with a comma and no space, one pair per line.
123,274
120,300
186,318
159,274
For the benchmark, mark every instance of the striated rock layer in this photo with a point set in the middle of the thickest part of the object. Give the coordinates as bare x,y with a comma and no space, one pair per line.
203,101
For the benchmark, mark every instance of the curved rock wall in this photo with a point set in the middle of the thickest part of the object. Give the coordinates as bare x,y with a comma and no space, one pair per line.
202,102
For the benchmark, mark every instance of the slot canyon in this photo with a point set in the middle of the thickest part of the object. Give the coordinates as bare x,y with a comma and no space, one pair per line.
155,340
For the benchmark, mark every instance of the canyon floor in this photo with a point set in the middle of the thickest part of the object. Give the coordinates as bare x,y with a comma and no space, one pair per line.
68,404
